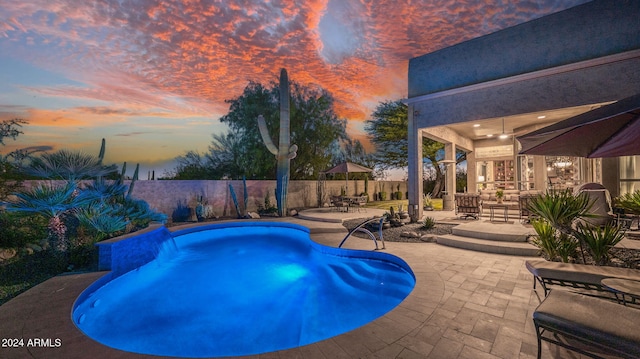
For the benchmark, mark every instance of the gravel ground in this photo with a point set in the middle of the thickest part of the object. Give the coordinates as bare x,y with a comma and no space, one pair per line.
393,234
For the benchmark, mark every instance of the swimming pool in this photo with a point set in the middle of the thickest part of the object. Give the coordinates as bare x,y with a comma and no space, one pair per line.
240,289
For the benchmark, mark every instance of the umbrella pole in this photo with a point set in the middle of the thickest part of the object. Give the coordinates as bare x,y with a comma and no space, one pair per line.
346,190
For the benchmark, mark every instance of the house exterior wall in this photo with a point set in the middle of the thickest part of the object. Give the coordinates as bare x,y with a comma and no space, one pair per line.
592,30
584,55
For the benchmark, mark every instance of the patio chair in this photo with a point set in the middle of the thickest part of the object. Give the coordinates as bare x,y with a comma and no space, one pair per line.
468,205
523,207
359,202
338,203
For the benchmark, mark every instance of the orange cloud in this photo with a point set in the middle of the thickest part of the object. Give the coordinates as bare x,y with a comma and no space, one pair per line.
185,58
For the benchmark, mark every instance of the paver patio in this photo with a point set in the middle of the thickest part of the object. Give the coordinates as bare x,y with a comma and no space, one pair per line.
465,305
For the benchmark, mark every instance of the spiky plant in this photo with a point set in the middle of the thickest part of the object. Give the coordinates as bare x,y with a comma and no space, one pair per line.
103,219
599,240
545,238
561,208
630,202
51,202
284,152
102,191
68,166
428,223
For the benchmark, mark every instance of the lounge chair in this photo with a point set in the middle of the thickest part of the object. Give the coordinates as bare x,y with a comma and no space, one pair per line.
603,325
578,276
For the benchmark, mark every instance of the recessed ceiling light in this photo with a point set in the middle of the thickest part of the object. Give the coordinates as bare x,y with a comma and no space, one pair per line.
476,125
503,136
541,117
489,135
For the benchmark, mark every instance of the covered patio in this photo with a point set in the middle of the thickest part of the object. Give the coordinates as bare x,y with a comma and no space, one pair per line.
480,94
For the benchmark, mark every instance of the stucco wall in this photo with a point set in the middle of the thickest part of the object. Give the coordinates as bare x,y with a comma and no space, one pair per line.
169,196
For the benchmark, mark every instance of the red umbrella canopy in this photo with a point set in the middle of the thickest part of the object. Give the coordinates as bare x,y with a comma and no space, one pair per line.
609,131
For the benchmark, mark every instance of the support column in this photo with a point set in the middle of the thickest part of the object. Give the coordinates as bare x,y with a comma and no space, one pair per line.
450,176
472,173
414,185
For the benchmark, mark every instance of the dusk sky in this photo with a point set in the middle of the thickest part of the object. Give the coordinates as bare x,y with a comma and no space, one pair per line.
152,76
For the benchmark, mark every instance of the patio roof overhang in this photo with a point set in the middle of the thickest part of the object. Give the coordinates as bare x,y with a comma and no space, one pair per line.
548,64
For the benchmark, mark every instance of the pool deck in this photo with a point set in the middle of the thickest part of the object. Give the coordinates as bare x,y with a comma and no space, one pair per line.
465,304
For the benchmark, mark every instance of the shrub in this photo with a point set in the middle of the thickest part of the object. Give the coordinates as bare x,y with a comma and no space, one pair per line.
630,202
545,238
428,223
560,208
17,230
599,240
552,243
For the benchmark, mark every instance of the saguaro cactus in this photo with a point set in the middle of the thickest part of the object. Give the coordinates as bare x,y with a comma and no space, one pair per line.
284,152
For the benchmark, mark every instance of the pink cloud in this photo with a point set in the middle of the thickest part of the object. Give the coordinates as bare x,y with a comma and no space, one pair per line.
188,56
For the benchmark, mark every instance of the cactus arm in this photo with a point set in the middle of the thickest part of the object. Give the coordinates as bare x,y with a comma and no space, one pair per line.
264,132
122,173
133,180
292,152
245,194
102,150
235,199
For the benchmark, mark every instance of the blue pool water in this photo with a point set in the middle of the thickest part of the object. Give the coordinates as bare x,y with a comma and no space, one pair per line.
238,290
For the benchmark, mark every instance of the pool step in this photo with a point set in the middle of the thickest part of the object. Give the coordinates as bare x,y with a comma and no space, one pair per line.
504,232
492,237
489,246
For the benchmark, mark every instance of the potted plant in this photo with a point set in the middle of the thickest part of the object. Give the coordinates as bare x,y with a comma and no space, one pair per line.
427,202
499,195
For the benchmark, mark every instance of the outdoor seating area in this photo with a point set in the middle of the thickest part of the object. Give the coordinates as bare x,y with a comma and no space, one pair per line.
512,203
348,203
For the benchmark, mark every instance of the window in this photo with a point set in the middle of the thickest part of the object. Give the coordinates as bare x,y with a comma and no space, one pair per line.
629,174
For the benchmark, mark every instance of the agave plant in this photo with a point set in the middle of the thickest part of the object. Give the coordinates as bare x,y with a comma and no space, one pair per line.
561,208
599,240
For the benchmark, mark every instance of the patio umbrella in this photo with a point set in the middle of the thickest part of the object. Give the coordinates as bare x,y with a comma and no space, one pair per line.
347,167
609,131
